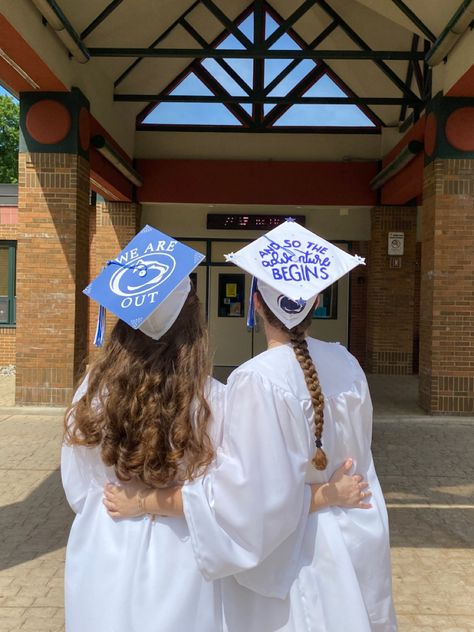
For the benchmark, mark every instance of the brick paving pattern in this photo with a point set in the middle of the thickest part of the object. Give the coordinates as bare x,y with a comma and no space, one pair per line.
425,469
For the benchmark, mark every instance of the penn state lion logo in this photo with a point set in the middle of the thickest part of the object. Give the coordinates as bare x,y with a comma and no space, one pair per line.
142,275
289,306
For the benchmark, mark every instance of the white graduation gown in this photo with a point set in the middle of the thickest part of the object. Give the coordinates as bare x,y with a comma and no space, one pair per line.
248,516
132,575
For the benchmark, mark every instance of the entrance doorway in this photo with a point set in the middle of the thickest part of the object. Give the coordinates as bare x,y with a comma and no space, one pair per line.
224,291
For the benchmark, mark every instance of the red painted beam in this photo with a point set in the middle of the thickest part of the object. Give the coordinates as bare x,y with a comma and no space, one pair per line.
22,54
114,186
464,86
256,182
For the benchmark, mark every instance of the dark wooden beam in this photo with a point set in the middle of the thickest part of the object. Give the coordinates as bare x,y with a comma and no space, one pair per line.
222,63
415,19
289,100
229,24
394,78
220,53
258,64
288,23
155,42
286,71
100,18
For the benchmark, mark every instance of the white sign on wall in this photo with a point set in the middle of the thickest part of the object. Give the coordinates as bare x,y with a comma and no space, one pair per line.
396,243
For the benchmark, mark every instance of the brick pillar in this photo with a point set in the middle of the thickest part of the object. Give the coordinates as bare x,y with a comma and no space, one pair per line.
447,263
391,292
358,307
447,298
53,236
113,224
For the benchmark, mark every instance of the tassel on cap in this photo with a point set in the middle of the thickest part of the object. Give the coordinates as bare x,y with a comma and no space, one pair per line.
251,312
100,328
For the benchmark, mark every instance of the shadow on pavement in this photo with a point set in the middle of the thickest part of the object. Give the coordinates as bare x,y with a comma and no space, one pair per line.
425,470
35,526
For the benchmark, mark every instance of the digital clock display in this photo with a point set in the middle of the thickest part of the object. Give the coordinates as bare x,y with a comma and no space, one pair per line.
217,221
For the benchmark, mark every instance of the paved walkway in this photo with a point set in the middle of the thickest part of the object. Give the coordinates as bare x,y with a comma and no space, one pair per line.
425,465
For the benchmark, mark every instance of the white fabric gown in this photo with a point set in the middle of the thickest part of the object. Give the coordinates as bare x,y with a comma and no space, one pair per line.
248,516
132,575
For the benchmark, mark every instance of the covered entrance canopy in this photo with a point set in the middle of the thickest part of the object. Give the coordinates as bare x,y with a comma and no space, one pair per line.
343,103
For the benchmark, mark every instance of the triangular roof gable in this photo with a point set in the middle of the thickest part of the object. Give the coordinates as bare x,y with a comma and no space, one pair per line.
215,80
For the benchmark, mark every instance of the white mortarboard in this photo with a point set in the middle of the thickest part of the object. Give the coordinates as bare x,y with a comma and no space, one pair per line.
146,285
291,266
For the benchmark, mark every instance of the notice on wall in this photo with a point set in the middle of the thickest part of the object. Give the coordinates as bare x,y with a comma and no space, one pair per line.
396,243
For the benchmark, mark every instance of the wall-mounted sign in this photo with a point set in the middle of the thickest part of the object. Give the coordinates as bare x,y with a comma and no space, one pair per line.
396,243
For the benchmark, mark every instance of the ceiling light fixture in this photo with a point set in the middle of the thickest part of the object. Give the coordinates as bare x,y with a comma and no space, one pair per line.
404,157
53,15
460,22
117,160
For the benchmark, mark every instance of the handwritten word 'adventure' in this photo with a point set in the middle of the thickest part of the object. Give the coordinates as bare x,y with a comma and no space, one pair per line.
293,260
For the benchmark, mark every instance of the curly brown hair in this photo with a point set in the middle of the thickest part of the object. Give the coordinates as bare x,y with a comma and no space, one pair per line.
297,336
145,403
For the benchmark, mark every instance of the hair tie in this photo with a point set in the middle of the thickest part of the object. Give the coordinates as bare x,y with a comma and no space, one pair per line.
319,443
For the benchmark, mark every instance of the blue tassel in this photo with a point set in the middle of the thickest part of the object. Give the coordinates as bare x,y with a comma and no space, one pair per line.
100,328
251,312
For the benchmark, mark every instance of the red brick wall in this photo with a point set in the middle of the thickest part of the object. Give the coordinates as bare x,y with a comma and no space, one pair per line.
358,307
447,299
113,224
8,231
391,293
52,270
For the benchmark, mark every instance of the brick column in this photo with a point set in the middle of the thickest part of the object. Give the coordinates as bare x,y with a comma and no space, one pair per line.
391,293
447,297
113,224
447,262
53,236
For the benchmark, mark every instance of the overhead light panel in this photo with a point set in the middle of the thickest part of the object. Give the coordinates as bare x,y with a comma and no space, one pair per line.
457,25
404,157
117,160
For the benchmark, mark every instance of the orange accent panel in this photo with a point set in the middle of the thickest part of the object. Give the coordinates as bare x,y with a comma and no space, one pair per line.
464,87
24,55
48,121
256,182
405,185
460,129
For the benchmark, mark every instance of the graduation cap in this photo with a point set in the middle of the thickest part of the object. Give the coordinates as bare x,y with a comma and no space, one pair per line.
291,266
146,285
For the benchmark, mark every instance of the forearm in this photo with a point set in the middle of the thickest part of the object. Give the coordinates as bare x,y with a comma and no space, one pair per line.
319,497
163,502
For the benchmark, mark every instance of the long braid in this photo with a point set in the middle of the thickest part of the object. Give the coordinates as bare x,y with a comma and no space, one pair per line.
300,347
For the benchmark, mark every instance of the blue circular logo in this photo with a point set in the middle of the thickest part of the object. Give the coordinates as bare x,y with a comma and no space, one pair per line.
142,275
289,306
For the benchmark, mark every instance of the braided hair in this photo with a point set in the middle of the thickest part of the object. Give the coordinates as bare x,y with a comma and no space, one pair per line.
300,347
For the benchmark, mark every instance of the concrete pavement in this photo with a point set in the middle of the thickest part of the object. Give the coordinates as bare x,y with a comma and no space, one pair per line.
425,466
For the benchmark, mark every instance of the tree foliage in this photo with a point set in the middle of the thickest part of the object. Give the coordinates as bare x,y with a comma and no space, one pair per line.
9,139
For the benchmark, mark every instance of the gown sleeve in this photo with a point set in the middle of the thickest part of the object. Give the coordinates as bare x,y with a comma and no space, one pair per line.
74,466
254,498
